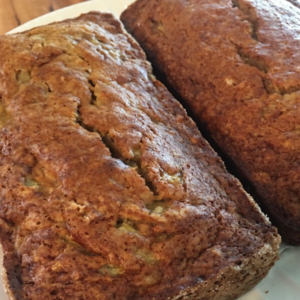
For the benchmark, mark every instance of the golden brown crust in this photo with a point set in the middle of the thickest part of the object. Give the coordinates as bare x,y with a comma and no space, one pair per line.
108,191
236,64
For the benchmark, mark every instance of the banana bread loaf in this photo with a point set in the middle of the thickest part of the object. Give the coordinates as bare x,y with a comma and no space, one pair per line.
108,191
237,66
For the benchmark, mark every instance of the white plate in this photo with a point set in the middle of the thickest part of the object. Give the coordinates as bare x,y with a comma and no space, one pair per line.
283,281
113,6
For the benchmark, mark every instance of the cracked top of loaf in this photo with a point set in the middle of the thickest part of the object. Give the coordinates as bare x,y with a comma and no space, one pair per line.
237,65
108,191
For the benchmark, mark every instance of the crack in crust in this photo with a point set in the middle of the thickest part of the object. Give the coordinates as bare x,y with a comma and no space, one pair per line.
134,162
252,18
257,62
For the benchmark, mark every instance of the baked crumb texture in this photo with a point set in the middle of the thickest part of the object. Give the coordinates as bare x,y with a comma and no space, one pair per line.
108,191
237,65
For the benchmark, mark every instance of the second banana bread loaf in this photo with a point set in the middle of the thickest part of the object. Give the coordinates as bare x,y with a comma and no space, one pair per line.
237,65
